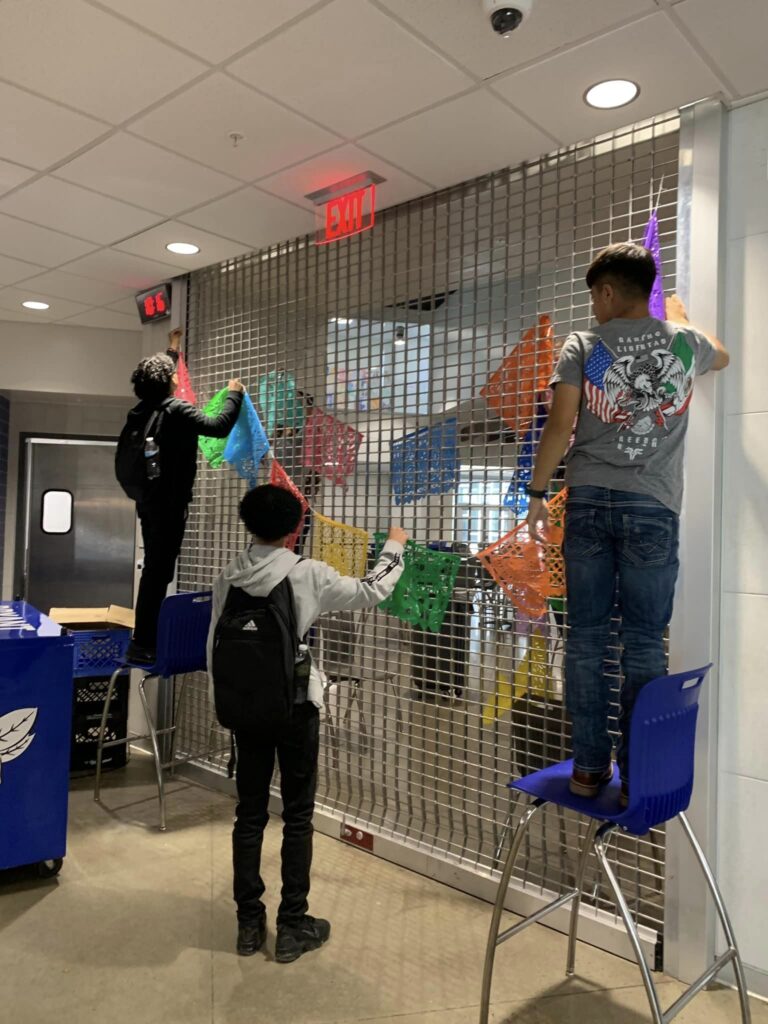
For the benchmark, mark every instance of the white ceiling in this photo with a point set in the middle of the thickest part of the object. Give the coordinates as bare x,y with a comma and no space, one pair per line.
115,117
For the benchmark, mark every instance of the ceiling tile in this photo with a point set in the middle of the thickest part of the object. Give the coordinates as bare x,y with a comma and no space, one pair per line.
352,68
79,289
12,298
491,136
84,57
735,33
26,241
12,271
121,268
463,30
37,132
253,217
76,211
675,76
106,319
139,172
297,182
198,25
151,244
12,175
197,124
126,306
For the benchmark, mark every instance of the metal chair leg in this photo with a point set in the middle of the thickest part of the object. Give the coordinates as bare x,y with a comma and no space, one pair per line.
498,908
155,750
741,982
579,886
176,723
102,729
653,998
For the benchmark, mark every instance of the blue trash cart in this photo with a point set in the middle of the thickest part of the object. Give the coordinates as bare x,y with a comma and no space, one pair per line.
35,730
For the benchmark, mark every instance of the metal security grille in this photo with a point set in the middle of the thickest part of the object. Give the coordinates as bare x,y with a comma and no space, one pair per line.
392,331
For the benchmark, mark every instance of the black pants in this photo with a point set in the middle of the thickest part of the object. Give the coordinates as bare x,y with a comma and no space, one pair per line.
297,749
162,527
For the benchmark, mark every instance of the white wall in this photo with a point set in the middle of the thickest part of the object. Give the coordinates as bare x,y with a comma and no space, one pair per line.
743,711
67,360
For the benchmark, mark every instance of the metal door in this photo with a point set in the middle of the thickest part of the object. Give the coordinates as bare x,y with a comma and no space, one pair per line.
79,527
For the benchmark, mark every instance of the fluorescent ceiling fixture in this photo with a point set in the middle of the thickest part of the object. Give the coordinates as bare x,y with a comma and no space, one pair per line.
399,341
183,248
340,320
32,304
617,92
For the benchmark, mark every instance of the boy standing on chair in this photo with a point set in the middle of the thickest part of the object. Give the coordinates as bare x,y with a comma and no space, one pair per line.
156,465
269,694
628,384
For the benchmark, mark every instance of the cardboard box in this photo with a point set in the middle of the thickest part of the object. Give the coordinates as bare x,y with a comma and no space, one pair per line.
94,618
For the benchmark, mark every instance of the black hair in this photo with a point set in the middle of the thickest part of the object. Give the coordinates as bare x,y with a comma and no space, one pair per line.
628,267
270,512
152,378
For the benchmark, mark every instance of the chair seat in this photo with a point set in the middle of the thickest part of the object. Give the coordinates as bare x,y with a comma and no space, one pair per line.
551,785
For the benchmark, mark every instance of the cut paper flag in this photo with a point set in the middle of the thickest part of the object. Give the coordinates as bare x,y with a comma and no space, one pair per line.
530,573
425,462
344,548
280,406
247,445
424,591
213,447
184,391
511,390
516,497
330,447
651,241
531,674
280,478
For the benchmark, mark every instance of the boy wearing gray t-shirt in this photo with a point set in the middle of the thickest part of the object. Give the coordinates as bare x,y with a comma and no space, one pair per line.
628,383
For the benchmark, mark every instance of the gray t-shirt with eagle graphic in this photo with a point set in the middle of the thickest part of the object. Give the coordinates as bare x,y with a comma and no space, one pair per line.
637,380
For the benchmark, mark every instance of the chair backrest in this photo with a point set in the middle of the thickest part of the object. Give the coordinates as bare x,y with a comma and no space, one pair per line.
182,633
662,740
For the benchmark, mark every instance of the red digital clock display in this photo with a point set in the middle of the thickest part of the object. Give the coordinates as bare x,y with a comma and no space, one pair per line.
154,304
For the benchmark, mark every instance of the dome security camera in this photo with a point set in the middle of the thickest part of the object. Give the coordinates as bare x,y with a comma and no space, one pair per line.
506,17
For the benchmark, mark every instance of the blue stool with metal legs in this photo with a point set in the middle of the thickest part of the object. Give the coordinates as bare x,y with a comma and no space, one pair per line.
182,633
661,757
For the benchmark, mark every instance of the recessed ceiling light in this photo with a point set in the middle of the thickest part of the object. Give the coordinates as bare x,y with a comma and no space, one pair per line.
617,92
31,304
183,248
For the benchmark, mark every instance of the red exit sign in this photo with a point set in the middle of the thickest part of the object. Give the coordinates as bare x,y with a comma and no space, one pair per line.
349,215
346,208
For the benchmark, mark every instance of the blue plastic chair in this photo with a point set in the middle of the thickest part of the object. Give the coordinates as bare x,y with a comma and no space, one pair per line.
182,634
661,761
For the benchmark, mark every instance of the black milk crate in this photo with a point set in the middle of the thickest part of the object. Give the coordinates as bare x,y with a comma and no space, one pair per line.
88,698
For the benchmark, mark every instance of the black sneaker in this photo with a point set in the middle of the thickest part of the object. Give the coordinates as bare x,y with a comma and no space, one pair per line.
136,655
295,939
251,937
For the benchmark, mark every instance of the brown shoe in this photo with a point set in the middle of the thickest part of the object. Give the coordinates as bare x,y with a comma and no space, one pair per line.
589,784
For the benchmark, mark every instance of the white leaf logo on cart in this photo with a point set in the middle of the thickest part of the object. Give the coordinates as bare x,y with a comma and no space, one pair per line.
15,734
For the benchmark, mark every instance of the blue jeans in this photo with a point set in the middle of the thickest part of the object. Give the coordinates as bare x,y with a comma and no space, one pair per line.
618,545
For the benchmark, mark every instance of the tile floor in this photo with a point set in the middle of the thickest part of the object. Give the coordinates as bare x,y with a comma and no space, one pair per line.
139,927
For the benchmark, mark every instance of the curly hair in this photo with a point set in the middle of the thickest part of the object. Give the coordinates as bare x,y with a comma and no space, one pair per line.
152,378
270,513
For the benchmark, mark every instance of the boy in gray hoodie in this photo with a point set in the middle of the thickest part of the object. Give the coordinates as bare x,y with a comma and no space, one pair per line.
271,514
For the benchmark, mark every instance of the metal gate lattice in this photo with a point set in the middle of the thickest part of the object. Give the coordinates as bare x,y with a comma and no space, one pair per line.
392,331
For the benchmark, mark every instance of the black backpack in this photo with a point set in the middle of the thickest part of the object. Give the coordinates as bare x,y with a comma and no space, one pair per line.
255,649
130,462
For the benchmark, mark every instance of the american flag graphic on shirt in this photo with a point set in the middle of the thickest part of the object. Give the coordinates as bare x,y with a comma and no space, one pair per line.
598,403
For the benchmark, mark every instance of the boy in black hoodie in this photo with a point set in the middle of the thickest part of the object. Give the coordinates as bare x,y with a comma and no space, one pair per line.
163,508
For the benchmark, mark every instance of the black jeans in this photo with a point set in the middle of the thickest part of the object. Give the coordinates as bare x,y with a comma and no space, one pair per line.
162,527
297,750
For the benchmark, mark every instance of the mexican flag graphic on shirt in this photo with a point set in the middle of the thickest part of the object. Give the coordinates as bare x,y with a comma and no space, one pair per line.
639,392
